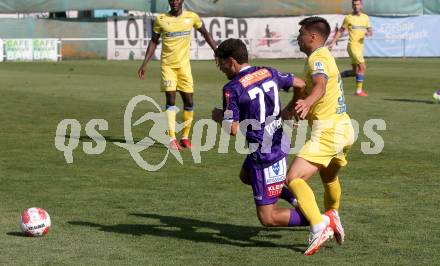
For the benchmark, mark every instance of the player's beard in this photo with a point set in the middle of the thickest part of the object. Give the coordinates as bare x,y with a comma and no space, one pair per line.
301,47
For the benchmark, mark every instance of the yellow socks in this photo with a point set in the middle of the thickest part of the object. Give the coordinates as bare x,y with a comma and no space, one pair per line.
187,116
359,82
306,200
332,195
359,85
171,117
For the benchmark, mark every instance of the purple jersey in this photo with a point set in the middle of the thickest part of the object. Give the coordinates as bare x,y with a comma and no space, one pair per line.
252,98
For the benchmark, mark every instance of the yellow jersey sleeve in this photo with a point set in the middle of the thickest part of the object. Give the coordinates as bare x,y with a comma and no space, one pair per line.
318,66
368,22
197,21
156,26
345,23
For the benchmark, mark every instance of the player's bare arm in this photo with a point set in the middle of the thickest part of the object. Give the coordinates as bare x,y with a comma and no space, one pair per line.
336,38
217,116
299,87
149,53
319,83
207,36
299,91
299,84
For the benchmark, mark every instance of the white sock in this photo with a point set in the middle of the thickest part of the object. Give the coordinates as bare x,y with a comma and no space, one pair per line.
326,219
359,91
318,227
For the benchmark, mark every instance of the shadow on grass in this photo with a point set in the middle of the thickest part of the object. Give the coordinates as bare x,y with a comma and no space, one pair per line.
201,231
19,234
112,139
409,100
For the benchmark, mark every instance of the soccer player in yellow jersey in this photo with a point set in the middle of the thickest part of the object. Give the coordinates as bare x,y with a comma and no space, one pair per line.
358,26
322,104
175,28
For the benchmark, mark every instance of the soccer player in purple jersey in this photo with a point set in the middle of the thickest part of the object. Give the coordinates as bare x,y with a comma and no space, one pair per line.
250,99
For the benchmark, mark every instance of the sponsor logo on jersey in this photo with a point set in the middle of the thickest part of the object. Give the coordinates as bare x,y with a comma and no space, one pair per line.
275,173
318,66
255,77
354,27
274,190
177,34
276,168
275,179
258,197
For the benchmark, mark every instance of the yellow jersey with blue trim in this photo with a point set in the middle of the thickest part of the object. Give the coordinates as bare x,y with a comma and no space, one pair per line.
357,26
332,104
176,36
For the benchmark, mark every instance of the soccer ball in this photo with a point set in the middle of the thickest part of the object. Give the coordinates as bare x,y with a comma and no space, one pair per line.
436,96
35,222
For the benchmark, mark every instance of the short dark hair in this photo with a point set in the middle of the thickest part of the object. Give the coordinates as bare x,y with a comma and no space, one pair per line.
317,24
234,48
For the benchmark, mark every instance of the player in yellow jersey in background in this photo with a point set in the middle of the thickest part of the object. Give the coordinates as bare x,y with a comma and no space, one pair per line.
175,28
322,103
358,26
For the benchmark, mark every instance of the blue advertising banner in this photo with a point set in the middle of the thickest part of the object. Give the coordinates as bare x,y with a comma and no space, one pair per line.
408,36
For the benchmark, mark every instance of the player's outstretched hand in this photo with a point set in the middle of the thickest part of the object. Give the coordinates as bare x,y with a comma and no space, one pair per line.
302,108
217,115
141,72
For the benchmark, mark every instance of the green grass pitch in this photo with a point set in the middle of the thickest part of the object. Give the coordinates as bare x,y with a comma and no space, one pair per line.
106,210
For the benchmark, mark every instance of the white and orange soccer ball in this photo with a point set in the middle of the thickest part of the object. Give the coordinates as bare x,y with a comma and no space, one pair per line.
35,222
436,96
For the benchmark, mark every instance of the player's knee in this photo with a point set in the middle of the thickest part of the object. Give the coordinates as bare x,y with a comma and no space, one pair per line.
291,176
171,102
188,104
188,101
267,220
328,179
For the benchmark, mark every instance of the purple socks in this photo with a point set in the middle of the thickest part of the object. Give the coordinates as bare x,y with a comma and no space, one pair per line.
297,218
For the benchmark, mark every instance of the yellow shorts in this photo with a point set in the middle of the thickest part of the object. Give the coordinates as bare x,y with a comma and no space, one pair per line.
356,54
177,79
330,141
